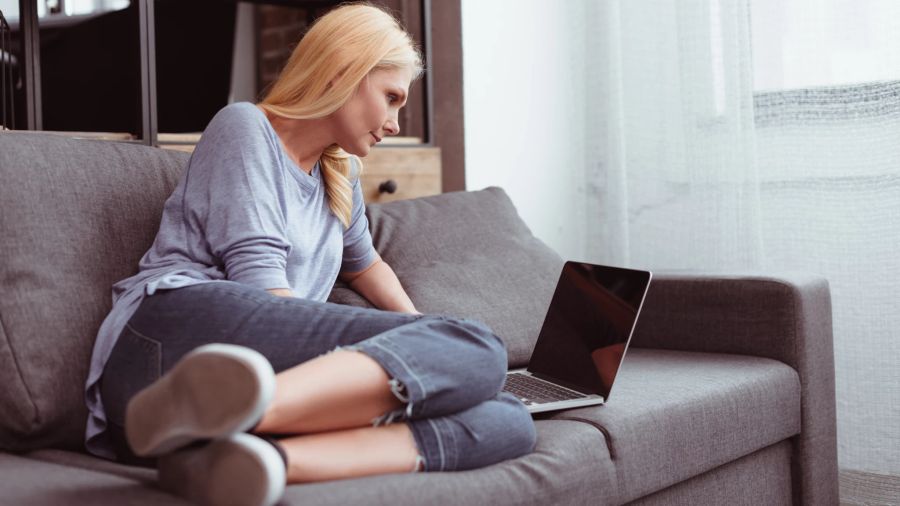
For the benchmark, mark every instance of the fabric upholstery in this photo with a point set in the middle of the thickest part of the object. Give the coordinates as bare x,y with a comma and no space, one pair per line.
763,477
470,255
786,317
77,216
673,415
31,482
719,408
569,466
85,461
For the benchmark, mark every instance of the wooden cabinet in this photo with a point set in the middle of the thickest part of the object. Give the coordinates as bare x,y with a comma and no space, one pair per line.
414,172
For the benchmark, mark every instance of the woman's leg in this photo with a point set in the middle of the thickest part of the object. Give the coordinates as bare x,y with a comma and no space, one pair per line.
441,365
436,365
354,390
491,432
351,453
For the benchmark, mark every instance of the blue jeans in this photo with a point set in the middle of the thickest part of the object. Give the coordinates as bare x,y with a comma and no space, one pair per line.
449,372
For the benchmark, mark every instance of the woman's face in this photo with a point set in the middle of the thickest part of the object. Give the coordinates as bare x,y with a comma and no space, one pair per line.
371,114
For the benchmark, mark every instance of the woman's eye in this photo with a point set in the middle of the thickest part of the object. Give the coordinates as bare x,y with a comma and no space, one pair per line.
392,98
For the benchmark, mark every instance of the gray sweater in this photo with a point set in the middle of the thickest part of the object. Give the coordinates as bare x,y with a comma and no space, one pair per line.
243,211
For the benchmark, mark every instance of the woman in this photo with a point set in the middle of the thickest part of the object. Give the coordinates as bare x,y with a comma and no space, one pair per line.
267,215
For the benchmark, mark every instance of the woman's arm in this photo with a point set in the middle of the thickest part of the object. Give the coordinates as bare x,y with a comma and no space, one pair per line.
379,284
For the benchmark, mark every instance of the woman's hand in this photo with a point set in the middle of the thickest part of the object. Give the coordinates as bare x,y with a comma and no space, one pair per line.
379,284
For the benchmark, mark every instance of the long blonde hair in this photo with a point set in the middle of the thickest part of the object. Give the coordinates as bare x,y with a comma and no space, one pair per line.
325,69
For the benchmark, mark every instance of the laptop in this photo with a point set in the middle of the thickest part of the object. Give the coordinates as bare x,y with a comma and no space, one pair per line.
584,338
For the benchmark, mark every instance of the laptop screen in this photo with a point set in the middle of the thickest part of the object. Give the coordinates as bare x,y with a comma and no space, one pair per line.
588,325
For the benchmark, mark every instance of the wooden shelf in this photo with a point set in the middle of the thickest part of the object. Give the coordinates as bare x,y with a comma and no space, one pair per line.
101,136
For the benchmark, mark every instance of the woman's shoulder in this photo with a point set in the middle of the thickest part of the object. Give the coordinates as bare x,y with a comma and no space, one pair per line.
240,125
240,110
237,115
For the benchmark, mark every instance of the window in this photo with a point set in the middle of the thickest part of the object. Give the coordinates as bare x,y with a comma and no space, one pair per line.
810,43
59,8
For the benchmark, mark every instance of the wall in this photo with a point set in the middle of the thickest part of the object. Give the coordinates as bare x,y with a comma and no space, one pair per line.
524,97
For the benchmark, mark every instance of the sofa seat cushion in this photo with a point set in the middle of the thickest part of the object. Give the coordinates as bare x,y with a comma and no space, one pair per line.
570,465
717,408
33,482
467,254
673,415
145,475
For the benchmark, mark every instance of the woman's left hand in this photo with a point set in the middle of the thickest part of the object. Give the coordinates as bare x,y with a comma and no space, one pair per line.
379,284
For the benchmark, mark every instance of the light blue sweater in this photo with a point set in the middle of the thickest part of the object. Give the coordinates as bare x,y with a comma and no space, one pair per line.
243,211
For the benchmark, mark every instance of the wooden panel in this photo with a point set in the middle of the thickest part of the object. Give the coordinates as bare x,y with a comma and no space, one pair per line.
416,172
187,148
102,136
446,68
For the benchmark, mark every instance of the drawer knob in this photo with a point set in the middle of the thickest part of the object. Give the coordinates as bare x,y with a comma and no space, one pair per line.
389,186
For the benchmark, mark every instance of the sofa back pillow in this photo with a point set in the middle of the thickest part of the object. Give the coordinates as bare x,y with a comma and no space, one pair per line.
470,255
77,215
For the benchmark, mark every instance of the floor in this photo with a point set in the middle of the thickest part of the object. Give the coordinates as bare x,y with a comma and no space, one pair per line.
860,488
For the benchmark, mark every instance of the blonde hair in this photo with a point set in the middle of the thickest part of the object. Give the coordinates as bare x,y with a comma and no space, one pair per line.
324,71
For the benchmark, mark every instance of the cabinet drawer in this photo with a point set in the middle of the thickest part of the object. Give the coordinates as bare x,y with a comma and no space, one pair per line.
414,171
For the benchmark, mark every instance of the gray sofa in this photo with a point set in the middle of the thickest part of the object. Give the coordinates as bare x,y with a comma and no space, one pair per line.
726,397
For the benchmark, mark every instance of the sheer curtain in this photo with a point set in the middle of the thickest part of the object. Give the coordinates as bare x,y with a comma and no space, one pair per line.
672,152
692,168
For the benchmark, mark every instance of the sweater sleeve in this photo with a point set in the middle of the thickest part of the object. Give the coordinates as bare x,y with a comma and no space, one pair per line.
236,196
359,252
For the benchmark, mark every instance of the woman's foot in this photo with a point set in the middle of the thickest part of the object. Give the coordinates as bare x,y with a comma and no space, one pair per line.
241,470
212,392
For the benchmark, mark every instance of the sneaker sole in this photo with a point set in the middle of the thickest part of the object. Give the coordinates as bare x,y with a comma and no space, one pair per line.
213,391
242,470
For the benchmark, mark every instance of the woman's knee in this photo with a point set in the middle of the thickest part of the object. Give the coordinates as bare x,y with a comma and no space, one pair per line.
486,353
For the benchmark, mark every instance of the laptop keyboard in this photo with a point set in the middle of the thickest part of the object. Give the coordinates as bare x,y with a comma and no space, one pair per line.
531,390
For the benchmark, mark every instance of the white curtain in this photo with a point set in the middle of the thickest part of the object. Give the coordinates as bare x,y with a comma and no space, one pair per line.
690,168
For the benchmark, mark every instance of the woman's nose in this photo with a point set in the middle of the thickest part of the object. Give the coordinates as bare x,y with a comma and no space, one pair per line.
391,127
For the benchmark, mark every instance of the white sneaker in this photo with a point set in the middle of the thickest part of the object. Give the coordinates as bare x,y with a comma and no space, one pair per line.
212,392
241,470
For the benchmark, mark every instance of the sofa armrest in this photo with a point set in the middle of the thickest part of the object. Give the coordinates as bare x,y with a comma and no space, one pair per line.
784,317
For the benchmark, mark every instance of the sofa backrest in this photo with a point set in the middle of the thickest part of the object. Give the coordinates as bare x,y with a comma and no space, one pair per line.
468,255
75,217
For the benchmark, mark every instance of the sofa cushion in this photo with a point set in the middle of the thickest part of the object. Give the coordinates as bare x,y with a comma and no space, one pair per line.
32,482
469,255
570,465
673,415
77,217
763,478
142,474
720,408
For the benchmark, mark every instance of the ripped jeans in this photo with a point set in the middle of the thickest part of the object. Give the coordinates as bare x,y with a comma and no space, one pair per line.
448,372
